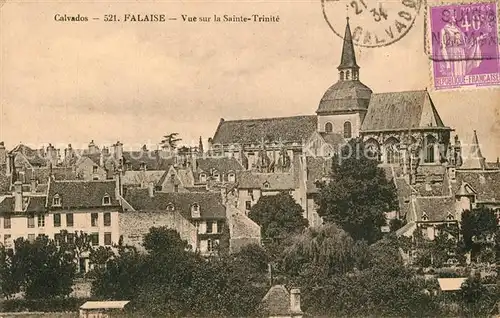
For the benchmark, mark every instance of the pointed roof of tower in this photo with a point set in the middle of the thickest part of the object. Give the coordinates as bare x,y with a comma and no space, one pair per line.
475,159
348,59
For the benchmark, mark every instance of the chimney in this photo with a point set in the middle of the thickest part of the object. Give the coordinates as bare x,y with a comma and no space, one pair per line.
3,154
18,196
295,303
118,151
34,183
101,159
51,154
10,164
151,190
92,147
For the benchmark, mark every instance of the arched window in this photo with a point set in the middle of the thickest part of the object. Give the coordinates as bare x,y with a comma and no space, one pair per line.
430,144
372,149
328,127
347,74
347,129
392,151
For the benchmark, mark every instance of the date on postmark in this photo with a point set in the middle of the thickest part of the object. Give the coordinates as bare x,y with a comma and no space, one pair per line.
464,43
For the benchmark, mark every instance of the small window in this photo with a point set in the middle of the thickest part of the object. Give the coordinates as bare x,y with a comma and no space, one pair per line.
107,238
203,177
425,217
95,239
176,188
57,220
170,207
94,217
56,200
210,246
31,238
250,192
31,221
328,127
95,178
106,200
347,130
220,226
210,225
107,219
267,185
94,169
41,220
217,176
248,205
450,217
196,207
231,177
69,220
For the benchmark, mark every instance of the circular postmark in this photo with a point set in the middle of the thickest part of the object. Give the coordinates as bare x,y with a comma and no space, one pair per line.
373,23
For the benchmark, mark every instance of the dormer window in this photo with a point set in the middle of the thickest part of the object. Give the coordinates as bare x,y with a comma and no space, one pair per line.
195,210
143,166
170,207
231,177
216,176
94,169
266,185
425,217
450,217
56,200
203,177
106,200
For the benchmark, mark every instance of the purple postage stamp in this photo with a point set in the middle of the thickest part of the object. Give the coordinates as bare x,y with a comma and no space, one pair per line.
464,41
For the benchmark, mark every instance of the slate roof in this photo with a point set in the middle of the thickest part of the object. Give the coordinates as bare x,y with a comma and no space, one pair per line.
36,157
348,58
252,131
211,206
221,164
152,159
36,204
42,174
401,111
276,302
317,168
4,181
486,184
138,177
345,96
82,194
436,208
276,181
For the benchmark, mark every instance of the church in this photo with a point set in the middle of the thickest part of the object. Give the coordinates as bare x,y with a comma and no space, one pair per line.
395,125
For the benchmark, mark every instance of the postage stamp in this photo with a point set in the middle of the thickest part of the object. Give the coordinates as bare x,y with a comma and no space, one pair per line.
373,23
464,45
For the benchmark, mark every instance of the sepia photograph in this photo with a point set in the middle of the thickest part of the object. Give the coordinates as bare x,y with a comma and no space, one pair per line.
208,158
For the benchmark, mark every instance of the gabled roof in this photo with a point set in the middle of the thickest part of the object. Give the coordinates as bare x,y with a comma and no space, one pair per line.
82,194
451,284
210,203
142,177
253,131
275,181
408,110
33,157
276,302
436,208
486,184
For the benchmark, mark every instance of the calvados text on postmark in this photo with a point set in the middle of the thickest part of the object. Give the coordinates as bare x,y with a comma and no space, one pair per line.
464,44
373,23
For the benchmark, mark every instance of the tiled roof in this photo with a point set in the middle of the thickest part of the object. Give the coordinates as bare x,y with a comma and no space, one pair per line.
276,302
485,183
139,177
210,203
252,131
240,225
82,194
42,174
34,157
401,110
436,208
276,181
317,168
404,192
4,181
220,164
35,204
152,159
345,96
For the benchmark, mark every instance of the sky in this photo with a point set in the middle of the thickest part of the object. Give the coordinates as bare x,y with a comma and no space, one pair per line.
64,82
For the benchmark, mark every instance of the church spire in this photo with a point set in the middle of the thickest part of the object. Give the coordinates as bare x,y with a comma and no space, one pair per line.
348,68
475,160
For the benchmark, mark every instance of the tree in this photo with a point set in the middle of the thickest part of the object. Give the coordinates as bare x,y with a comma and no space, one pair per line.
161,240
478,228
8,285
278,216
42,268
476,298
357,194
170,141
